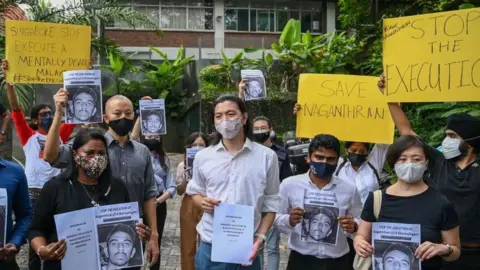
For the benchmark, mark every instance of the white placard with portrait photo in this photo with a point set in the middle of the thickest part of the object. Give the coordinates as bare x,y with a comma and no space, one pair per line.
84,96
394,246
152,117
320,221
256,87
3,216
101,238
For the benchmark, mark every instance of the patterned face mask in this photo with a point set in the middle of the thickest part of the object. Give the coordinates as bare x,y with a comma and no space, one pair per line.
93,166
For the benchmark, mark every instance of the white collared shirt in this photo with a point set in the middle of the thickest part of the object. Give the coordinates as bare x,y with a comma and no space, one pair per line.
250,177
292,191
365,178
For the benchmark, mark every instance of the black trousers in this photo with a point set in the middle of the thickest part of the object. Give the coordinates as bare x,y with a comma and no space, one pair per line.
34,262
297,261
161,218
9,265
469,260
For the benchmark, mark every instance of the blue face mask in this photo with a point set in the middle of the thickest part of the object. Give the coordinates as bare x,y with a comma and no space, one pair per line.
46,122
322,169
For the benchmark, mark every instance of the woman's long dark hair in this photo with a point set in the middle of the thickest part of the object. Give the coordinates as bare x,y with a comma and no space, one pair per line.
247,129
162,155
83,136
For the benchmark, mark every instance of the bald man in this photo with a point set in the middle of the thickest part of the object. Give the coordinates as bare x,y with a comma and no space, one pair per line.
130,160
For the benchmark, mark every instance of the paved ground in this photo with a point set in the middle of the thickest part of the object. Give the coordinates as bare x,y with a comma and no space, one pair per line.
170,250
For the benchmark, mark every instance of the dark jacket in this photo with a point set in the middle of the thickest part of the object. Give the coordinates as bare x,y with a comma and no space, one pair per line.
283,161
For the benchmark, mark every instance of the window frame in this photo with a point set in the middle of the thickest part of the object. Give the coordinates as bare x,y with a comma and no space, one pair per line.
322,9
131,4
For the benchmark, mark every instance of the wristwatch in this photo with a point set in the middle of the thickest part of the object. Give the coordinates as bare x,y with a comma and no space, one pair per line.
261,236
450,250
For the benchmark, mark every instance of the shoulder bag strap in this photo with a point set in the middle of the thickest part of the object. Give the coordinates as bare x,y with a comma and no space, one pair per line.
377,202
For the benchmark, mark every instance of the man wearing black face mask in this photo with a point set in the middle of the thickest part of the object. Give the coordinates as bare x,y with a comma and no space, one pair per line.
455,173
323,156
130,160
262,129
32,138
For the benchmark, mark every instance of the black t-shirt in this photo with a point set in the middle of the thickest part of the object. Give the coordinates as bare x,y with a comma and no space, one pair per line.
430,209
2,109
283,161
462,189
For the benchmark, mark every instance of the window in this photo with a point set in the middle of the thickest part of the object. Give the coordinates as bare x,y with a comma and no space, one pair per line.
174,14
272,16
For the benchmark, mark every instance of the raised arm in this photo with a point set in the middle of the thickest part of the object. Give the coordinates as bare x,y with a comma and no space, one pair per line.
242,85
135,135
11,95
52,145
399,117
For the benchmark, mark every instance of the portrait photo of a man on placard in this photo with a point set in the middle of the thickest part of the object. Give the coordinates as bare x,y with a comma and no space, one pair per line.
255,88
153,122
120,247
84,104
391,255
320,225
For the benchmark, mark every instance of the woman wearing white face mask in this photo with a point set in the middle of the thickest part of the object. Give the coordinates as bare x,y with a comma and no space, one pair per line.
455,172
411,201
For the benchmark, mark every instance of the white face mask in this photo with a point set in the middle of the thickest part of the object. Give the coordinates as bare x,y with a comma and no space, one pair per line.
229,128
410,172
451,147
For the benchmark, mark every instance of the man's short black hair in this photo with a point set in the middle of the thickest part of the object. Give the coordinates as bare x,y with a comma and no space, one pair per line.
399,247
122,228
403,143
324,141
263,118
348,144
87,90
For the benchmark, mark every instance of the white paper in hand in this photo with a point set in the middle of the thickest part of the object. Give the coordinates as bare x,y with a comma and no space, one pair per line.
232,237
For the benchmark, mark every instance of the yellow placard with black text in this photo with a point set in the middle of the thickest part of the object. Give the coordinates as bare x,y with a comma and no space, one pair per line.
348,107
39,53
433,57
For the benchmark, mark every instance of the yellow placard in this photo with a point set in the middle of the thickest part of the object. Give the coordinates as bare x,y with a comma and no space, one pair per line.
39,53
433,57
348,107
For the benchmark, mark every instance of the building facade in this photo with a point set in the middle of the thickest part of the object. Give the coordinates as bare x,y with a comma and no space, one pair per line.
205,28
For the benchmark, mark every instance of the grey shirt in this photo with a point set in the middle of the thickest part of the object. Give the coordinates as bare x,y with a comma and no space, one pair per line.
132,164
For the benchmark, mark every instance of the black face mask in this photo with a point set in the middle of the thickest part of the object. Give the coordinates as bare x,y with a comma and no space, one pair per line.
121,126
152,144
261,137
357,159
46,123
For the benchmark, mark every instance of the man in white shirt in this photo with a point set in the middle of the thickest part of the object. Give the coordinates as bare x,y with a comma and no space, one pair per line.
317,210
234,170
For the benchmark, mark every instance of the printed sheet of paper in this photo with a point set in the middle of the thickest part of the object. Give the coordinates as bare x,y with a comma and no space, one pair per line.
395,244
232,236
100,238
191,153
84,96
3,216
256,86
432,57
39,53
120,247
78,229
320,223
152,116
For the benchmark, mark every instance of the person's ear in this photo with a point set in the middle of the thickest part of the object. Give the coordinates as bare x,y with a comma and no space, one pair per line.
307,158
245,118
105,119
